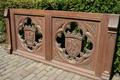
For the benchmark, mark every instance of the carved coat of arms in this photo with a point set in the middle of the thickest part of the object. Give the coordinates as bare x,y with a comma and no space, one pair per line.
73,44
30,34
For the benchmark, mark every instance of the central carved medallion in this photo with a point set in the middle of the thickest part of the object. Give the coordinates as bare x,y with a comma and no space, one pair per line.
30,34
74,44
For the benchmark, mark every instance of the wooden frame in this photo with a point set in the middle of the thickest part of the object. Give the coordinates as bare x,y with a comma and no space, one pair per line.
103,29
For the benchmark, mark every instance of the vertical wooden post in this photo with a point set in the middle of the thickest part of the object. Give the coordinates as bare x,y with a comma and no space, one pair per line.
48,38
8,29
13,30
110,44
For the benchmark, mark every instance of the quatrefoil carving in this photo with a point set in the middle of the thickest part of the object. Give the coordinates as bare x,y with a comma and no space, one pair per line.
73,43
30,34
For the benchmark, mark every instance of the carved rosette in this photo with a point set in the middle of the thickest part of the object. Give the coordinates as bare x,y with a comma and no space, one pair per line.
30,34
74,44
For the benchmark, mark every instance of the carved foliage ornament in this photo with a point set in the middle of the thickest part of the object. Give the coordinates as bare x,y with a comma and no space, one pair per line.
73,43
30,34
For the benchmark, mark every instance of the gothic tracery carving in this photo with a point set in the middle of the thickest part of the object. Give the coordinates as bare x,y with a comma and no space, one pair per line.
73,43
30,34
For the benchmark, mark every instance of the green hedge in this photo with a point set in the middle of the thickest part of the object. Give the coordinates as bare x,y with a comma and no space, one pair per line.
99,6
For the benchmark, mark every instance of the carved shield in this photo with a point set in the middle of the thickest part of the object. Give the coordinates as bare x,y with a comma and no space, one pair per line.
73,46
29,37
29,32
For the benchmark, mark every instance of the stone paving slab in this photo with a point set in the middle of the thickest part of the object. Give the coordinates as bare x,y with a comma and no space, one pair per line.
14,67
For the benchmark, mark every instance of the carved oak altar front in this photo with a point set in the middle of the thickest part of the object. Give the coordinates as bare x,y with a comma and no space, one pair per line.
79,42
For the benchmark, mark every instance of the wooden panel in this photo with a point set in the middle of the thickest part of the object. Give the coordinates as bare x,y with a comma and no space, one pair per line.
75,41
